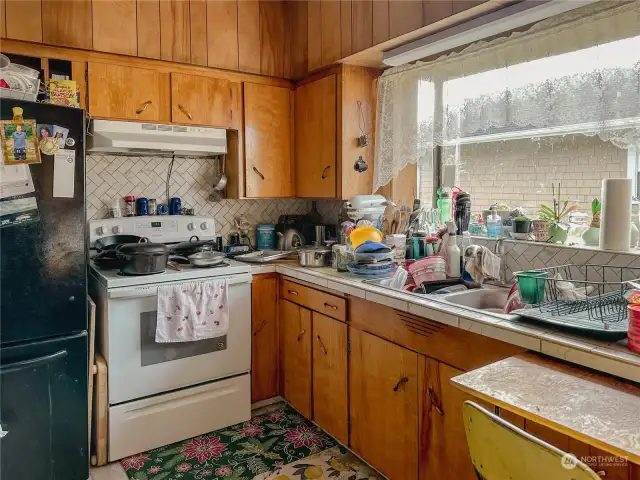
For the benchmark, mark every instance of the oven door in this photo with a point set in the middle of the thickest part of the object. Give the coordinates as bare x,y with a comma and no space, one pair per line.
139,367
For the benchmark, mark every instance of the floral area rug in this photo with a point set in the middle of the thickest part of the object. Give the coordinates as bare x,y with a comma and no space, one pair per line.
262,445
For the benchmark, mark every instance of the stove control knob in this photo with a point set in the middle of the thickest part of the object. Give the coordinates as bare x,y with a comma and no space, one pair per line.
204,225
191,226
100,230
117,229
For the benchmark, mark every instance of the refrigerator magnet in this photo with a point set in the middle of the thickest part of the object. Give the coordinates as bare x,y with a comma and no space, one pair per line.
64,167
19,142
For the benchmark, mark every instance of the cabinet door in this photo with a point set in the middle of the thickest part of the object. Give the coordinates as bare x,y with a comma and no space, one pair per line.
330,376
315,139
443,442
121,92
114,26
201,100
295,356
383,390
264,341
267,133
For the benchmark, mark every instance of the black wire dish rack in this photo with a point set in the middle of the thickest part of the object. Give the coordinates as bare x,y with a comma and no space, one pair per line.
595,304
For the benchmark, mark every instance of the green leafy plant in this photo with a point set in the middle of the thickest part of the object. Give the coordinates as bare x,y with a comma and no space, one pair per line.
522,219
596,206
560,209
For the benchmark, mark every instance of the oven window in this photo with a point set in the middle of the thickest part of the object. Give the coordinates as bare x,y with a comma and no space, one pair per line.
153,352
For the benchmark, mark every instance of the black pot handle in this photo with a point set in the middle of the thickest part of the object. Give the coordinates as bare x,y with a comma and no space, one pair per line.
197,239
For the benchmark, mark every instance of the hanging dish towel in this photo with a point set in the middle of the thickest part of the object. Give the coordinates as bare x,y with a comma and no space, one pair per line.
192,311
481,263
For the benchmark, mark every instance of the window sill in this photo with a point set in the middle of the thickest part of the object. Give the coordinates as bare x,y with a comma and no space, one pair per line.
631,251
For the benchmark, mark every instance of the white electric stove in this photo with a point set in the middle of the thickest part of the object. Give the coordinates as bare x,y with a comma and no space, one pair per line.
163,393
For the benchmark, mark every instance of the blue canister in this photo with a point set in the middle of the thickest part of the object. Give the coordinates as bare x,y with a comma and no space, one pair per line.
142,206
266,235
175,206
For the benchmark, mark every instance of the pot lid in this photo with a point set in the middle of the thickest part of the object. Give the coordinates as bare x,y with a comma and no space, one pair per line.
315,249
133,248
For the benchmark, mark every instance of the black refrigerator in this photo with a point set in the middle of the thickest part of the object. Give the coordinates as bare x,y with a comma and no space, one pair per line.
43,293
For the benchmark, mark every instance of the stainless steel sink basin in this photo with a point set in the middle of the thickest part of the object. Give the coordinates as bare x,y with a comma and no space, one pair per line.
487,299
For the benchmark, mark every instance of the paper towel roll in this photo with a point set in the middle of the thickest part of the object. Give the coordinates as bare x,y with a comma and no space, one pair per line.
615,218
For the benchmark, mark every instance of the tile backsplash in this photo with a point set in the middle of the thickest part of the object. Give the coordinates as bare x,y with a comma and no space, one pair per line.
115,176
520,256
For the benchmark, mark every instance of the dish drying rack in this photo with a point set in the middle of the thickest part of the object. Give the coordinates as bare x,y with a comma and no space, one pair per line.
603,310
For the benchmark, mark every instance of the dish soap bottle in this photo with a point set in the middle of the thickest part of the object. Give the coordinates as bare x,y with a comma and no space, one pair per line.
452,264
494,223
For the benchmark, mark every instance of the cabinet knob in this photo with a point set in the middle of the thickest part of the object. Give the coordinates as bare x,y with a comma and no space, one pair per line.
301,334
293,292
332,307
433,403
144,107
72,298
259,329
324,172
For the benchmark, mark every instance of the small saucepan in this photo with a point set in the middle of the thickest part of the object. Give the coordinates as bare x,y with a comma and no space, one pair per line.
194,245
206,258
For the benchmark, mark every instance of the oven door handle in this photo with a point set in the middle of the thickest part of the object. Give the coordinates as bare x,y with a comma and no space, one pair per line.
152,290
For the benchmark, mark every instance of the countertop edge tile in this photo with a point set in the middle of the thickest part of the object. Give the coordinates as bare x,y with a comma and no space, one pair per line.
432,314
389,301
345,288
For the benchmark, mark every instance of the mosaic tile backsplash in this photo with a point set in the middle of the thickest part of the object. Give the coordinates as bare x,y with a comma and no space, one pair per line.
115,176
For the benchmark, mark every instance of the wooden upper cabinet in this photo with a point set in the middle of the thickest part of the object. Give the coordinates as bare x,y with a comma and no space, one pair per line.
383,388
249,36
175,31
114,26
201,100
68,24
314,35
315,138
404,16
198,28
331,32
267,132
272,38
295,356
436,10
123,92
264,337
443,442
330,376
23,20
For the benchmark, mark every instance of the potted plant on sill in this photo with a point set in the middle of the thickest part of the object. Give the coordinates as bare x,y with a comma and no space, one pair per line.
591,235
558,231
522,227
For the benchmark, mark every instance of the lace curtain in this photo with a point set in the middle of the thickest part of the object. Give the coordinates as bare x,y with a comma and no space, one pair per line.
575,73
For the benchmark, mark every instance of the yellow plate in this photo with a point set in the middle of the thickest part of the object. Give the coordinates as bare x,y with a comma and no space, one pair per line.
362,234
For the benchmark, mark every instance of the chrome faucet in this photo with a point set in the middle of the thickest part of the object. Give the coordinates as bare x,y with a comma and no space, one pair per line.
498,251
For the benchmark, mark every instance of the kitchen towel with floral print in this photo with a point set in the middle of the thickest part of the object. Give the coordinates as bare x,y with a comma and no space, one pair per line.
192,311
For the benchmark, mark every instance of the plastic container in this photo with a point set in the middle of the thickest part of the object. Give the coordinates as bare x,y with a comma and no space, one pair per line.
494,224
361,234
428,269
444,205
142,206
633,335
453,253
531,286
129,206
266,237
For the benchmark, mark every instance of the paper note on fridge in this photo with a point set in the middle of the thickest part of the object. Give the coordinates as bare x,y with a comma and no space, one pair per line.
15,180
64,167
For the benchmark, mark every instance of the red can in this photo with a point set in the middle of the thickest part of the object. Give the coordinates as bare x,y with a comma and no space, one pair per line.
633,335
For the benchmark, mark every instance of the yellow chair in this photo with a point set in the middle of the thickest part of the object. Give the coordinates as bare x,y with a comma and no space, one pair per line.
500,451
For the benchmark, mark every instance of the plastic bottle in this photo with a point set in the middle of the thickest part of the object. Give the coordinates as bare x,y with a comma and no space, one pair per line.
466,242
494,224
444,205
452,250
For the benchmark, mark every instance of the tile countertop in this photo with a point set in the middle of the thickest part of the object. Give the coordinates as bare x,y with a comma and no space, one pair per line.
613,358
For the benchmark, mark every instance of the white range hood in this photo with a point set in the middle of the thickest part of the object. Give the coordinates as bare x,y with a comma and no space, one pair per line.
132,138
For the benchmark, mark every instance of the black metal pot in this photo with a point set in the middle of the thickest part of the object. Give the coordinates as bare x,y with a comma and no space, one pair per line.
143,258
107,260
194,245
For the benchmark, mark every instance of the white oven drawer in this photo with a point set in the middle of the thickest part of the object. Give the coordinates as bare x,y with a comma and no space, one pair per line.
141,425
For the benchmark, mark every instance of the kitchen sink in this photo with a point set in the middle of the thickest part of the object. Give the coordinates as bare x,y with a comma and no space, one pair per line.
488,299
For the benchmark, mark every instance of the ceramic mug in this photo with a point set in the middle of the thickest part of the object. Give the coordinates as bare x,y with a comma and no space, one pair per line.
540,230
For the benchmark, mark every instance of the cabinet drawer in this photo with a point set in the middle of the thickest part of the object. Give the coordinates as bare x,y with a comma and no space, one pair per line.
321,302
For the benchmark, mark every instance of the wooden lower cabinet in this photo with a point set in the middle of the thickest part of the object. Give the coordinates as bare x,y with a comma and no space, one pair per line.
264,337
443,443
295,356
383,390
330,376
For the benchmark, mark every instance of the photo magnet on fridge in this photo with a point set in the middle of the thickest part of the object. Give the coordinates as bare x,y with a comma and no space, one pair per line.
47,144
19,142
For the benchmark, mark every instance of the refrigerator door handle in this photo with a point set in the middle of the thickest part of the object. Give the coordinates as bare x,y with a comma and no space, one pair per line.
33,362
